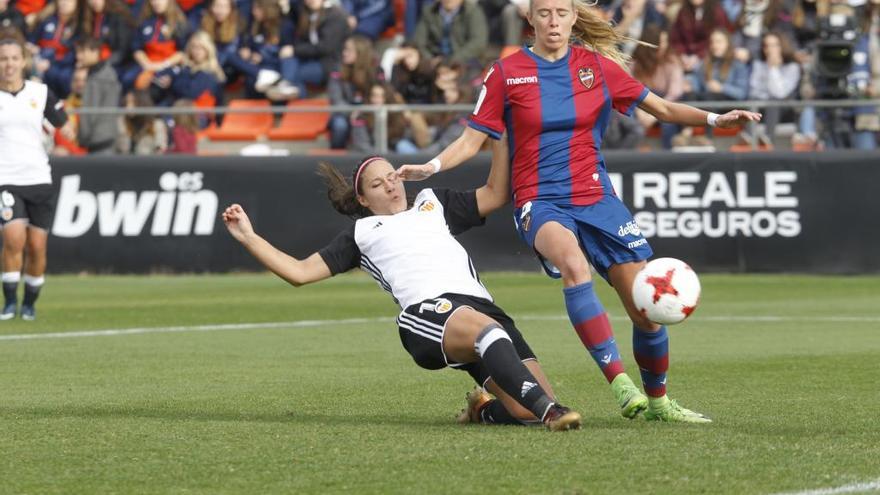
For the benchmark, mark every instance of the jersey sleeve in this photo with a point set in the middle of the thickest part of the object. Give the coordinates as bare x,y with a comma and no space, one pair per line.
54,111
342,254
626,91
460,209
488,116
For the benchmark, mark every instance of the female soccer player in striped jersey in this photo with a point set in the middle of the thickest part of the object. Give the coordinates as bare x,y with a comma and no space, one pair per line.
448,317
554,100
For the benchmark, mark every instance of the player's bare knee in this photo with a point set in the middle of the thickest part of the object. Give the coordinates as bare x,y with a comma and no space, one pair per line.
643,323
36,249
14,239
574,268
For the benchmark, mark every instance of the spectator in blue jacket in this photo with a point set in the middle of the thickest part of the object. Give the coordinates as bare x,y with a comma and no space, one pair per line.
315,50
369,18
412,14
157,44
54,36
222,22
720,75
111,22
261,45
200,77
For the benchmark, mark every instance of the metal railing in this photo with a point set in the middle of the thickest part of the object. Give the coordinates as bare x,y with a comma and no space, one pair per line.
381,112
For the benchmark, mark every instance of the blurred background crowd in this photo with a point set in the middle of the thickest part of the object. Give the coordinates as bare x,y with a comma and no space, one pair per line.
205,53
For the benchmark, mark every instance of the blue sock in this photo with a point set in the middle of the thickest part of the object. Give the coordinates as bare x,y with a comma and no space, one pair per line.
591,323
651,350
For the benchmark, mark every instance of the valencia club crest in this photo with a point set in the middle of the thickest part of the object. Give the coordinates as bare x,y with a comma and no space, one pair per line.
586,76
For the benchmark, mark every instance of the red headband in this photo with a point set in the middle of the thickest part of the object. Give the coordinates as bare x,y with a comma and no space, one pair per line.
361,168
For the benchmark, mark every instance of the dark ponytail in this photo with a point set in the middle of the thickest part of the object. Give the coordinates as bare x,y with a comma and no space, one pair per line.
341,192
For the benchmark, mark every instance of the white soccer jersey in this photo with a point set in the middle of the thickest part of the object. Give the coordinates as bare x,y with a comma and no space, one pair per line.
412,254
23,159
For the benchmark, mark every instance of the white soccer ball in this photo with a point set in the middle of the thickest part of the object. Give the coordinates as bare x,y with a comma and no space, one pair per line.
666,290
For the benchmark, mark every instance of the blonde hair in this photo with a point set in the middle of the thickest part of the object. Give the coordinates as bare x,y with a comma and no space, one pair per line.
597,34
210,65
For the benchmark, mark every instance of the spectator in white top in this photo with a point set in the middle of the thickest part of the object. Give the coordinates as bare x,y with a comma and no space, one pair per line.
775,76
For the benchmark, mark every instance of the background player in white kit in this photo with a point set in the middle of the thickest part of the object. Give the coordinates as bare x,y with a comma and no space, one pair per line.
448,317
27,201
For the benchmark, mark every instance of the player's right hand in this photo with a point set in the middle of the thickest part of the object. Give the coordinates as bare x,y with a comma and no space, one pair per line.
415,172
237,222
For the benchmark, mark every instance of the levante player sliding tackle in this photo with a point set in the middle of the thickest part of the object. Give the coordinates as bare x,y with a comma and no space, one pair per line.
554,100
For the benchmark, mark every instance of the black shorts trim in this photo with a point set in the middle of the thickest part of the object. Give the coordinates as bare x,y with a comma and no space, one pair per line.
422,325
35,204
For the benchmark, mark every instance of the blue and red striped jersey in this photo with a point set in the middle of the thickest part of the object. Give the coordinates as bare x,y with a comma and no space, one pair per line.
555,115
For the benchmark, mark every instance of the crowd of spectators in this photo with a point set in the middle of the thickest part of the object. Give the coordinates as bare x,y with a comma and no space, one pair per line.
148,53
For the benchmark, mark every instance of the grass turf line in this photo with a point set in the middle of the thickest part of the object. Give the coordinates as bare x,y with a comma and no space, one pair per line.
343,409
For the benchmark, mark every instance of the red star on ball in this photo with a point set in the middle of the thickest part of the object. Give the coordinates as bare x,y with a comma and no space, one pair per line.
662,285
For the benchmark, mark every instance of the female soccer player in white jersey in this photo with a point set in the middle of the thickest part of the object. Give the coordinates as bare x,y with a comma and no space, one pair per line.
448,317
27,202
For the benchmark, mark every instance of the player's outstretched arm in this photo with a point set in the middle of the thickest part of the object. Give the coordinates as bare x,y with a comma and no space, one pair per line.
680,113
466,146
294,271
496,192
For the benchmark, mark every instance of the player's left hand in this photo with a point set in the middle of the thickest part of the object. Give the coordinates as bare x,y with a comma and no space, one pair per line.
736,118
67,130
415,172
237,222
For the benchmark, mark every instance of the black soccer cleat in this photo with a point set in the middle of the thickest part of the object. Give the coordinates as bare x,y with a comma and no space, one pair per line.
8,312
28,313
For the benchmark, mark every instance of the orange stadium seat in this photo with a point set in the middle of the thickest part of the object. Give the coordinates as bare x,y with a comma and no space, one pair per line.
243,126
718,131
747,148
302,126
325,152
399,15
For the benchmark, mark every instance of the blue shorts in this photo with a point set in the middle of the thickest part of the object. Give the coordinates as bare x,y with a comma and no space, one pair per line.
606,231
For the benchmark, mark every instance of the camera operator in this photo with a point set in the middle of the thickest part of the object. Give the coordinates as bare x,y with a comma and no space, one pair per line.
843,71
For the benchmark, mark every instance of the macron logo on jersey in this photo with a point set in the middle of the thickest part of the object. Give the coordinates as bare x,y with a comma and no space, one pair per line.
514,81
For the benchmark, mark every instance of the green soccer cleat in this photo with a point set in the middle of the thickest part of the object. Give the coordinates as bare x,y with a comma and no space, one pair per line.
670,412
631,400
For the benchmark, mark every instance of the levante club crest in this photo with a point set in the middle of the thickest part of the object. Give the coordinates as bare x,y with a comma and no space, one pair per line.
586,76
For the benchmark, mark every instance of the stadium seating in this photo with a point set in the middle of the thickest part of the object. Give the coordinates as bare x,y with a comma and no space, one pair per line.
243,126
302,126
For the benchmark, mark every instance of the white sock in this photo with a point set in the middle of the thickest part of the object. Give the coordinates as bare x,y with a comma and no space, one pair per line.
11,277
34,281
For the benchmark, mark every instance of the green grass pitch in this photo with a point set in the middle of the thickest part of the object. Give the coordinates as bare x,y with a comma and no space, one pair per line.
787,366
